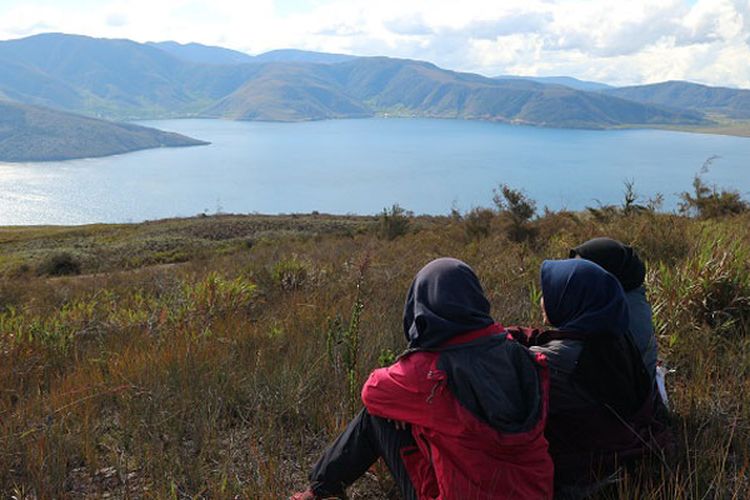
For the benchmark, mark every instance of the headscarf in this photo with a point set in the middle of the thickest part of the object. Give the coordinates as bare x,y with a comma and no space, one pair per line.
579,296
583,298
445,300
492,377
615,257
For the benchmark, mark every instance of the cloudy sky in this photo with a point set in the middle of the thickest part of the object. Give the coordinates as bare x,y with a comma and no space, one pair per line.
614,41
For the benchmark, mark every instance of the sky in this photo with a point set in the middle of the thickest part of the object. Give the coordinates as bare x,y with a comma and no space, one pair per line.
620,42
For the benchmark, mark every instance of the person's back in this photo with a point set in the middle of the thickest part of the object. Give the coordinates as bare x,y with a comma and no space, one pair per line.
475,402
471,440
600,392
623,262
642,327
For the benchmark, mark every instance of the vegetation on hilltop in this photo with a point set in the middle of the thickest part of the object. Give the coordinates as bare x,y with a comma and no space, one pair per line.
31,133
223,370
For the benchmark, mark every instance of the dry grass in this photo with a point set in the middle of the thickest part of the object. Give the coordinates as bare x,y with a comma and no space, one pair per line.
224,375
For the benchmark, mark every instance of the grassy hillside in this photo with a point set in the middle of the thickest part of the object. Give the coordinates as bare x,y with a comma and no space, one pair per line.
366,86
282,92
113,78
31,133
214,357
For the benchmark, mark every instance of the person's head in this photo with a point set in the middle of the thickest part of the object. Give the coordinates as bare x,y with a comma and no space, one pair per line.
615,257
444,300
580,296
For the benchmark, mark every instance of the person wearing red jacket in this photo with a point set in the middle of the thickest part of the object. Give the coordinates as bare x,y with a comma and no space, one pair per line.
474,402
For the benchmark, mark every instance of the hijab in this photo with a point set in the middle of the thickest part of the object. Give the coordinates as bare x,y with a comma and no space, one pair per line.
444,300
579,296
492,377
582,298
615,257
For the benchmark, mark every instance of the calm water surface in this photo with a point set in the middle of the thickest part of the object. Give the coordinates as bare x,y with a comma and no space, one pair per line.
361,166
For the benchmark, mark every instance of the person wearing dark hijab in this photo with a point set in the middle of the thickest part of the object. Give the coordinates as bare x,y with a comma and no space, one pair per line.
602,403
625,264
461,414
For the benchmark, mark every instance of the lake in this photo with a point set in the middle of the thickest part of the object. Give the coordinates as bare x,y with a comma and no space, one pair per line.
362,166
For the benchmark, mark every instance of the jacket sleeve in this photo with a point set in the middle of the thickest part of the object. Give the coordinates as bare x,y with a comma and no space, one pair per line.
404,391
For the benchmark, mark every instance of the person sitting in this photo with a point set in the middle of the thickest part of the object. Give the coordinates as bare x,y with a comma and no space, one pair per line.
603,406
624,263
461,414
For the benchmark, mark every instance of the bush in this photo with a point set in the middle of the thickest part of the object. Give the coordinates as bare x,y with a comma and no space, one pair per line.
60,264
711,202
478,222
290,274
394,222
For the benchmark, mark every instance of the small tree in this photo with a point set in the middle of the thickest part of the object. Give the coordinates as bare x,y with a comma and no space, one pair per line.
519,207
708,202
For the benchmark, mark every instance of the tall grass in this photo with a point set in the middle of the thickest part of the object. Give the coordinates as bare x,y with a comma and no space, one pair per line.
225,375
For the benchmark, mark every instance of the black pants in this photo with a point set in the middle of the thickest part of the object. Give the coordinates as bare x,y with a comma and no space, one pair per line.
364,440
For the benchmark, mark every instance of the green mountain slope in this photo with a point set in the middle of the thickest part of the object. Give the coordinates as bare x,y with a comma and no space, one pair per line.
285,92
125,79
366,86
112,78
418,88
732,103
31,133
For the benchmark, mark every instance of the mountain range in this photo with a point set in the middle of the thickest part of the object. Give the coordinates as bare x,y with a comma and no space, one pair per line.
126,80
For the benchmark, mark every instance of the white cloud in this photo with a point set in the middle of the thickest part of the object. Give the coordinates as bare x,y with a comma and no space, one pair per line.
619,42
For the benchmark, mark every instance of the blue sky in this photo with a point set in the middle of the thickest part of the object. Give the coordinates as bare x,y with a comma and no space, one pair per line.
615,41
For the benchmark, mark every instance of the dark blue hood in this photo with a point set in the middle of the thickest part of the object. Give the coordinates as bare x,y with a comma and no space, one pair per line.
580,296
445,300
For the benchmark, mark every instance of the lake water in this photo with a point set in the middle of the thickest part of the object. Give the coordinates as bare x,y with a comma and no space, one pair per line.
362,166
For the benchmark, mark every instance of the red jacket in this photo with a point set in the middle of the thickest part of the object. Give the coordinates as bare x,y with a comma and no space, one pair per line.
457,455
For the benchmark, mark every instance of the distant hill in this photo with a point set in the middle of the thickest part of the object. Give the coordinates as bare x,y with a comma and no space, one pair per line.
203,54
567,81
288,92
125,79
379,85
423,89
732,103
31,133
118,79
304,56
208,54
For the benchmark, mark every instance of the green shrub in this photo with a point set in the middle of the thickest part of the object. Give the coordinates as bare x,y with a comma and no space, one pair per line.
478,223
709,202
60,264
290,274
393,222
